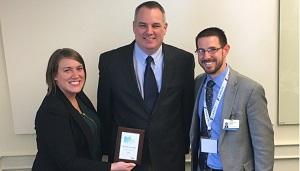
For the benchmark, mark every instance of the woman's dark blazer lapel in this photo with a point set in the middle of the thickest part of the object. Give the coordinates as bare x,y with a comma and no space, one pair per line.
77,116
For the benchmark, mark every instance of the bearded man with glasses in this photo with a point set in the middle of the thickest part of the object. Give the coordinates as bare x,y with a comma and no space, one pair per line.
231,129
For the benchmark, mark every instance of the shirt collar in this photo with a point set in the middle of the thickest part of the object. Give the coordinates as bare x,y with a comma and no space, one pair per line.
219,79
141,56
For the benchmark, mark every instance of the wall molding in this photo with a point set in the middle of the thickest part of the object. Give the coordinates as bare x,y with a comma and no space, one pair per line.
284,151
16,162
23,162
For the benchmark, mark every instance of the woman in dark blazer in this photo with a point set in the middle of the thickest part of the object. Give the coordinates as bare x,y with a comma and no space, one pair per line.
67,125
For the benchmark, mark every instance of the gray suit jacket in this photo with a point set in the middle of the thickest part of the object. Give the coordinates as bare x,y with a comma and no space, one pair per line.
251,147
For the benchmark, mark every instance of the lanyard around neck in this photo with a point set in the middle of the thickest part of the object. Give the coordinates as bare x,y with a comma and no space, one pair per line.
210,119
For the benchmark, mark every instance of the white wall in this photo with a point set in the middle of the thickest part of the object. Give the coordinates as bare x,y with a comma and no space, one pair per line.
11,145
31,30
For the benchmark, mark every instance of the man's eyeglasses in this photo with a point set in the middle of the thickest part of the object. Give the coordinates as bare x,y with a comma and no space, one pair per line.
211,51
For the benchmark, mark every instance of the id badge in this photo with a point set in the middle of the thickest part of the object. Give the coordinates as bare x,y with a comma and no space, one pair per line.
231,124
209,145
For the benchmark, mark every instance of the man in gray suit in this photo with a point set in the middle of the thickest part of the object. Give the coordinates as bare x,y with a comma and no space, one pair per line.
231,129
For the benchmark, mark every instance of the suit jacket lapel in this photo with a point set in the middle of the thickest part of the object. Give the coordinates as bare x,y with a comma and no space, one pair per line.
199,87
76,116
196,122
129,68
167,72
169,67
229,99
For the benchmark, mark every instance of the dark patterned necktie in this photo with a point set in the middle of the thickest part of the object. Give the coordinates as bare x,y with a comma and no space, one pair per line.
203,132
209,95
150,86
